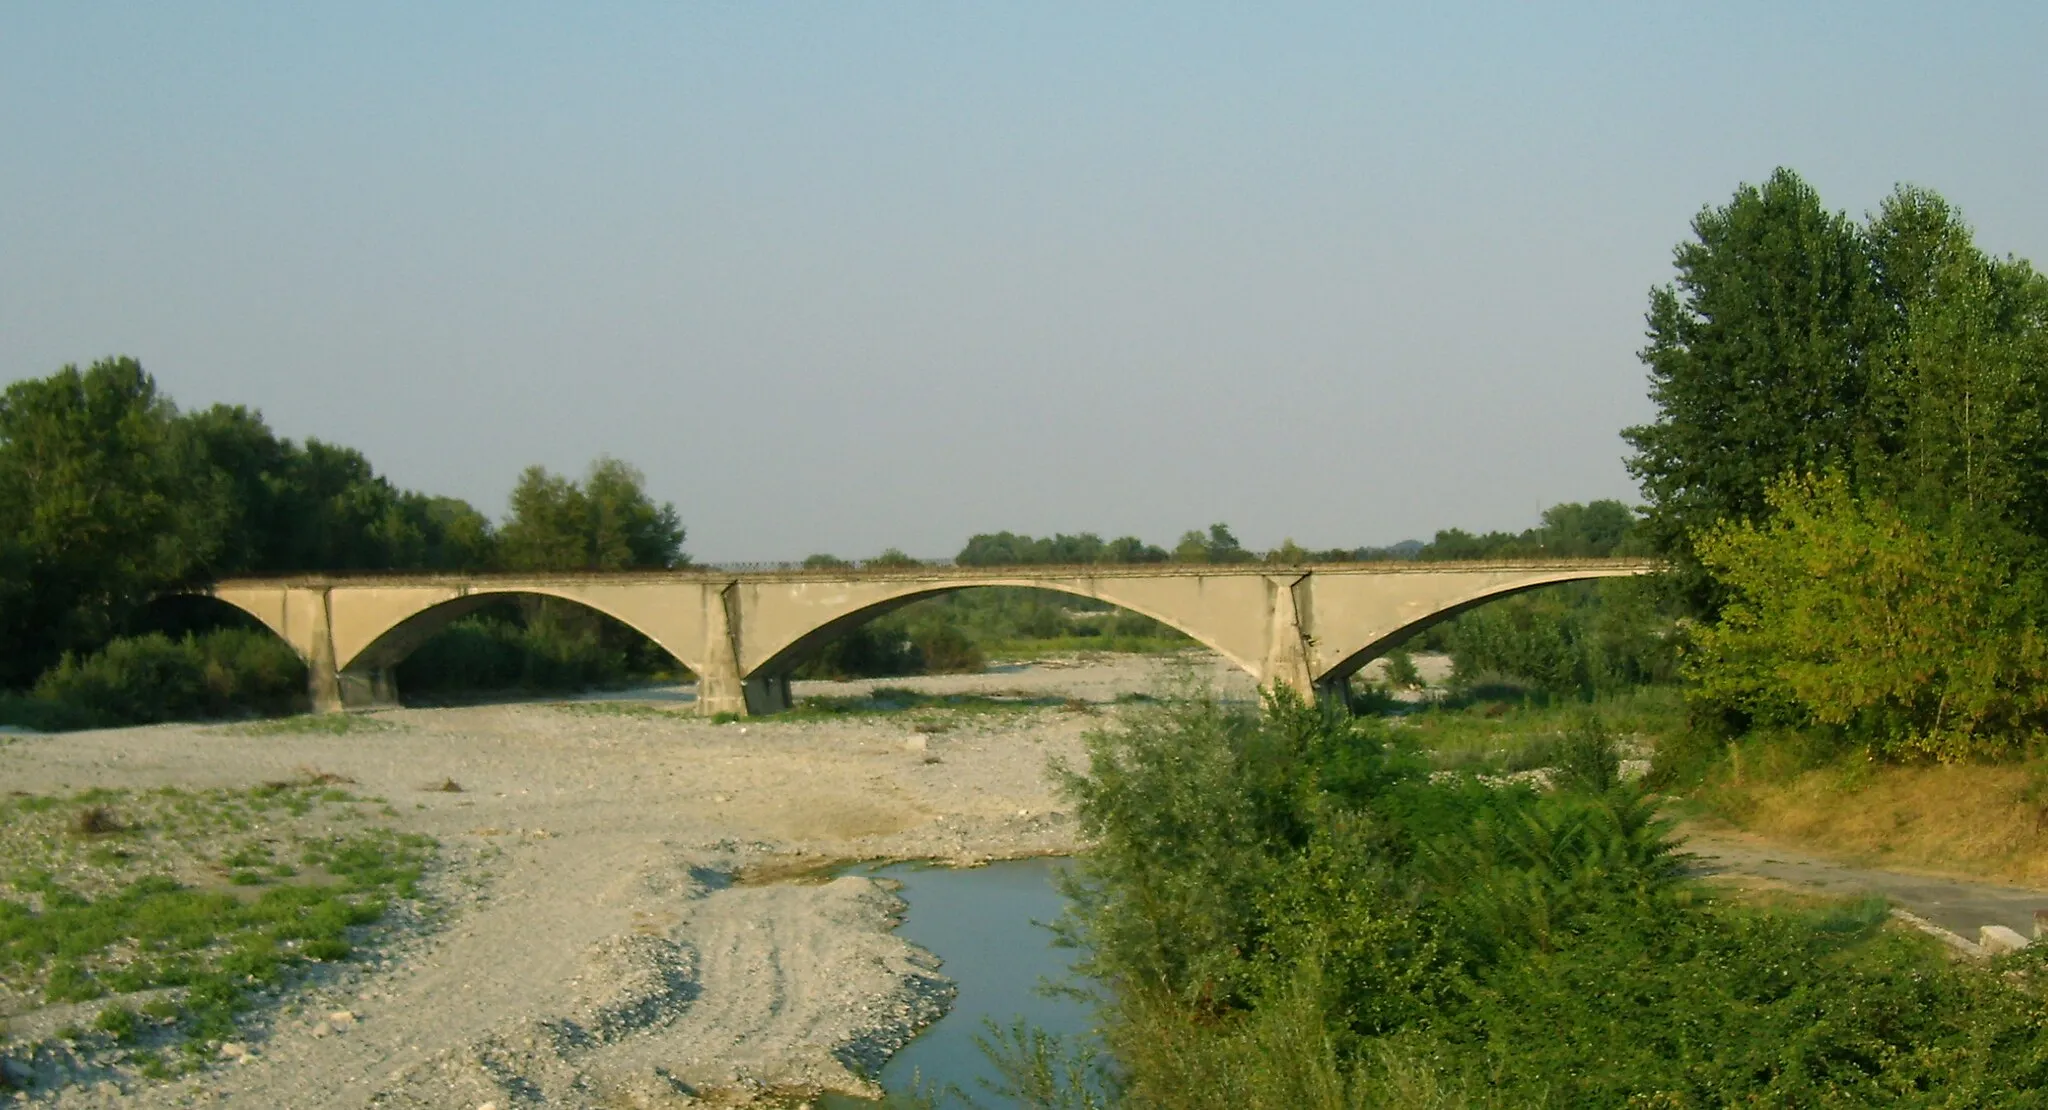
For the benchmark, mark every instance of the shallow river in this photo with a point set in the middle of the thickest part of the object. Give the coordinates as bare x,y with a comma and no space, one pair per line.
980,922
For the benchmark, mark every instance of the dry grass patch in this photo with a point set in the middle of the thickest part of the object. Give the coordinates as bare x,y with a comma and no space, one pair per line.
1980,821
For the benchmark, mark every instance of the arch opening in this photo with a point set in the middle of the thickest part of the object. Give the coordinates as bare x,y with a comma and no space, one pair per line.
1570,637
961,628
498,644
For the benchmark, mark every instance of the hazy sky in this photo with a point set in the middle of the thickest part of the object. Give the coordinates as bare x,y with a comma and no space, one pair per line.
844,276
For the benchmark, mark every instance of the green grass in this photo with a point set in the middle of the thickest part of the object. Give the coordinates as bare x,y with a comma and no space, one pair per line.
204,901
639,709
1503,735
314,724
884,700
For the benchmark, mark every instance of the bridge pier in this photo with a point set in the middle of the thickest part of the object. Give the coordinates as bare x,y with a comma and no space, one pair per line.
723,686
373,688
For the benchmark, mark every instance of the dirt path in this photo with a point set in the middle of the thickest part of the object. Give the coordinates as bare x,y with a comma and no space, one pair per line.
1961,906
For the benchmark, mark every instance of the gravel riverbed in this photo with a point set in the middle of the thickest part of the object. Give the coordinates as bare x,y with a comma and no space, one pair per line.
635,904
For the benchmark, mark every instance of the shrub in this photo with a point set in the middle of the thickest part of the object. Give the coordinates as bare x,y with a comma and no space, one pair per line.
145,679
947,650
505,651
1846,616
1287,911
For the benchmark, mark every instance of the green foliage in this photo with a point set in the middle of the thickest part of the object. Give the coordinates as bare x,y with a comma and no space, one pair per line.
958,632
1009,549
1894,604
1757,362
145,679
1570,641
1956,381
1401,672
1217,545
605,523
544,646
102,503
1569,530
282,506
1289,911
891,559
1845,615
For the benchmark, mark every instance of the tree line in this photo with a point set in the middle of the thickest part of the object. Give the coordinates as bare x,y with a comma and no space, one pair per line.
112,499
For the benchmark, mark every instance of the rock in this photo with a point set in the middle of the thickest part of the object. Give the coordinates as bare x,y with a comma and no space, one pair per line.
341,1019
1996,940
233,1051
916,742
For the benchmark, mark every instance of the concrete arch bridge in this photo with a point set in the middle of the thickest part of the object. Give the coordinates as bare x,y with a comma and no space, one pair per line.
1309,627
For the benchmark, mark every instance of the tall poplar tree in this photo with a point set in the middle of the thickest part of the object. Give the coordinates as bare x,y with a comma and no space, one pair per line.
1756,358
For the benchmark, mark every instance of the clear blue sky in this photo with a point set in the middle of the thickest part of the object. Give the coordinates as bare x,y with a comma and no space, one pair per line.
845,276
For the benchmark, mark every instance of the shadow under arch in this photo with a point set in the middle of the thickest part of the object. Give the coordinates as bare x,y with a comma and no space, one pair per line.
786,658
369,678
195,612
1335,677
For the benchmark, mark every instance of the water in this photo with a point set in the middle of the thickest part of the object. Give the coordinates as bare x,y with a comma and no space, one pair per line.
979,921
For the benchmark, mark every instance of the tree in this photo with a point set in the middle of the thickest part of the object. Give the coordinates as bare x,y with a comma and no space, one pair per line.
1131,549
606,523
1846,615
1957,380
823,561
628,530
1756,359
891,558
321,507
1218,545
104,501
1593,530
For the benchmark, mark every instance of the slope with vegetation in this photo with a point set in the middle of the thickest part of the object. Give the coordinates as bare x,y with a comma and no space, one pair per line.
1289,909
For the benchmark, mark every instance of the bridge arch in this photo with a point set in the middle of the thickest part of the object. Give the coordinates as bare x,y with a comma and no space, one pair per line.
1379,644
782,654
409,632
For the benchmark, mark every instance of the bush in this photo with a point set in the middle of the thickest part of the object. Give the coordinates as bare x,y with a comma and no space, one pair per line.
546,653
947,650
878,649
1287,911
1845,616
145,679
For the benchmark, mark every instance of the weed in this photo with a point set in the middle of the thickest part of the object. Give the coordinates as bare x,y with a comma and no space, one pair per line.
446,786
97,821
118,1021
617,709
314,724
895,699
80,923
